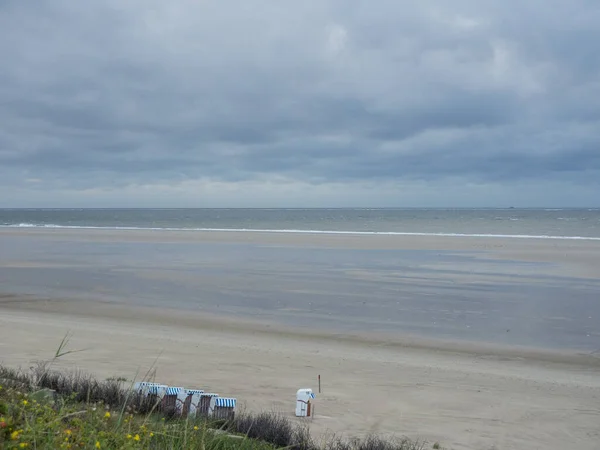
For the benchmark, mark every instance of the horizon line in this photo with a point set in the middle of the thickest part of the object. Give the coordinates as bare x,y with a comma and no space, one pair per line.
100,208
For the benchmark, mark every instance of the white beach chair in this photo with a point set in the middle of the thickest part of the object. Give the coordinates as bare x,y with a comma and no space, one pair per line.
304,398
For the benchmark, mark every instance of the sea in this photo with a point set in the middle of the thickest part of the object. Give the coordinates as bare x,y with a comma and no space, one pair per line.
540,223
430,294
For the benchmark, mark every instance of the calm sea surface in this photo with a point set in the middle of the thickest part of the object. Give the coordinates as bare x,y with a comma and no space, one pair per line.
528,222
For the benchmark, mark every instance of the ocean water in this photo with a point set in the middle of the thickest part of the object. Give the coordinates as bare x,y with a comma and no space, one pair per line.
573,223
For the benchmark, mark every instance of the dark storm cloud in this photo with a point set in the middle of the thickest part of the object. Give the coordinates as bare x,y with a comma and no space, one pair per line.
95,94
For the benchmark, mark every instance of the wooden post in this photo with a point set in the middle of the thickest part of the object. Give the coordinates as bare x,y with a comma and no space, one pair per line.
319,384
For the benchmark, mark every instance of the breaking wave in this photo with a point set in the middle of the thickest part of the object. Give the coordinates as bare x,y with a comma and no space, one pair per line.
299,231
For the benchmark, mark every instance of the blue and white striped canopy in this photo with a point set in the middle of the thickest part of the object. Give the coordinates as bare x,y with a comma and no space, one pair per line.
155,389
174,390
144,384
194,391
223,402
312,395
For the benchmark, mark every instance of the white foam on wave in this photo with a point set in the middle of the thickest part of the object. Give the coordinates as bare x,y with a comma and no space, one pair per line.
299,231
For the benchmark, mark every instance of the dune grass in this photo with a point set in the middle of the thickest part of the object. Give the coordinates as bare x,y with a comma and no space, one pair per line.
46,409
30,420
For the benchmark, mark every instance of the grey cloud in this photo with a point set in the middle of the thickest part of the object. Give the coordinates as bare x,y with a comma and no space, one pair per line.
318,92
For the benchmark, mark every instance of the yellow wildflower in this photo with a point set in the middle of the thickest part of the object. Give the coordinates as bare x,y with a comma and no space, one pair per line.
68,432
136,437
98,444
23,444
195,428
151,434
107,415
129,436
15,435
25,402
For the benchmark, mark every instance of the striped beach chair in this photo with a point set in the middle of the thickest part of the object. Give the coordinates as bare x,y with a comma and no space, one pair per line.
151,392
155,393
224,408
191,401
142,386
205,404
173,400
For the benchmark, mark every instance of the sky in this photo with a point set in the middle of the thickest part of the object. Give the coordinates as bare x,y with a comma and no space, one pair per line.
319,103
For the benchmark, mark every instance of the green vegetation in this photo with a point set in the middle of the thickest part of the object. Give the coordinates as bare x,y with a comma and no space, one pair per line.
31,420
48,409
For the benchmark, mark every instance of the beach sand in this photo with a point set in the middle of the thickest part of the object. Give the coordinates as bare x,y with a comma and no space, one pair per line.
463,397
466,396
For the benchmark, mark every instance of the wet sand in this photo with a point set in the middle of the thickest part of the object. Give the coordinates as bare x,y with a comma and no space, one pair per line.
466,395
497,290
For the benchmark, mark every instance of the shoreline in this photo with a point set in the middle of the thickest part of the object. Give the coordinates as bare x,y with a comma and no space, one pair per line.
474,288
300,232
375,240
235,324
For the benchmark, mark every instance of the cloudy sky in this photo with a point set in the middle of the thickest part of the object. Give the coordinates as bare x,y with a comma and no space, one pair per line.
303,103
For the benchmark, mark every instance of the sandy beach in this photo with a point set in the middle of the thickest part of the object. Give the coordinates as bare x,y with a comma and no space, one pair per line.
466,395
463,398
